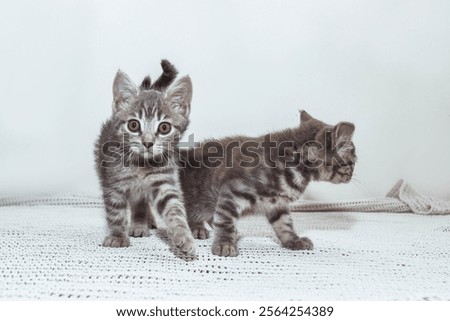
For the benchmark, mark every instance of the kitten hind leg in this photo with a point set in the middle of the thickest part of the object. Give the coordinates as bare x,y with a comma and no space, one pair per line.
151,222
199,230
226,236
200,222
281,221
116,218
140,214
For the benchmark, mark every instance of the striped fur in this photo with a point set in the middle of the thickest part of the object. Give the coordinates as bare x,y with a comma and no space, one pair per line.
143,179
219,195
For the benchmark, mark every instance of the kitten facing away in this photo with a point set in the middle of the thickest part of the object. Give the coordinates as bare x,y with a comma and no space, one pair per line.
135,162
262,174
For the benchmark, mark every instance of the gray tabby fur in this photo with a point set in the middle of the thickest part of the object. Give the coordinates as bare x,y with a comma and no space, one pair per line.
219,195
138,170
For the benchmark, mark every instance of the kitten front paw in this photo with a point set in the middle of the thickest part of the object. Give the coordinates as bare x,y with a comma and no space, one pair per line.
116,241
302,243
139,230
225,249
184,241
200,232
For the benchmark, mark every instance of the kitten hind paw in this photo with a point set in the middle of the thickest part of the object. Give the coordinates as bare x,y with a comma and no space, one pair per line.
116,241
139,231
200,233
302,243
225,249
152,224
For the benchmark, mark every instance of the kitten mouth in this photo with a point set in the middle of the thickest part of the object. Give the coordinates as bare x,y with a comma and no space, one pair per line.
346,178
148,154
139,149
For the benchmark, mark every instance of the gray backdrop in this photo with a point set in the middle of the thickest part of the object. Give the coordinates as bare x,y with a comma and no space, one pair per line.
384,65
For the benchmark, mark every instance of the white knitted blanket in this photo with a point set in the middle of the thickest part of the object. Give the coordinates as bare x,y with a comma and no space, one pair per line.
54,252
402,198
50,249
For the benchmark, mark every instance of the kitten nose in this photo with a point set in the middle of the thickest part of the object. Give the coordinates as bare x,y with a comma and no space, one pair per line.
147,144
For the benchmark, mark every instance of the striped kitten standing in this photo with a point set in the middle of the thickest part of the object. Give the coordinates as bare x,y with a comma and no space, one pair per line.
135,160
227,178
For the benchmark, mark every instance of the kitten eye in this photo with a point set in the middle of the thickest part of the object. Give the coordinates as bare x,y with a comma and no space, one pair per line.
164,128
134,125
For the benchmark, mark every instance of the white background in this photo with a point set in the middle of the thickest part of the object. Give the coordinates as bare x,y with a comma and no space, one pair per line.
384,65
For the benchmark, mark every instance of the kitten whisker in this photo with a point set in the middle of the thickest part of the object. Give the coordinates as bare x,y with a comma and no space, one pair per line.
363,187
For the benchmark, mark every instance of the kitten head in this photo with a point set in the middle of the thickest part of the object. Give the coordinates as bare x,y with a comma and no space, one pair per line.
151,118
331,153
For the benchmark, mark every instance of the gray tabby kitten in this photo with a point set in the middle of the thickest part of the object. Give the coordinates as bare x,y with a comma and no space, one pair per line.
262,174
135,162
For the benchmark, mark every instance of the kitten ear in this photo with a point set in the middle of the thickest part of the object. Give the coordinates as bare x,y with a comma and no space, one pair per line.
146,83
123,89
179,96
344,130
304,116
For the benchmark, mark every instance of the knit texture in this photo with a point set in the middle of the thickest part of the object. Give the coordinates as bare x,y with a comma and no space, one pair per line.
401,199
54,252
